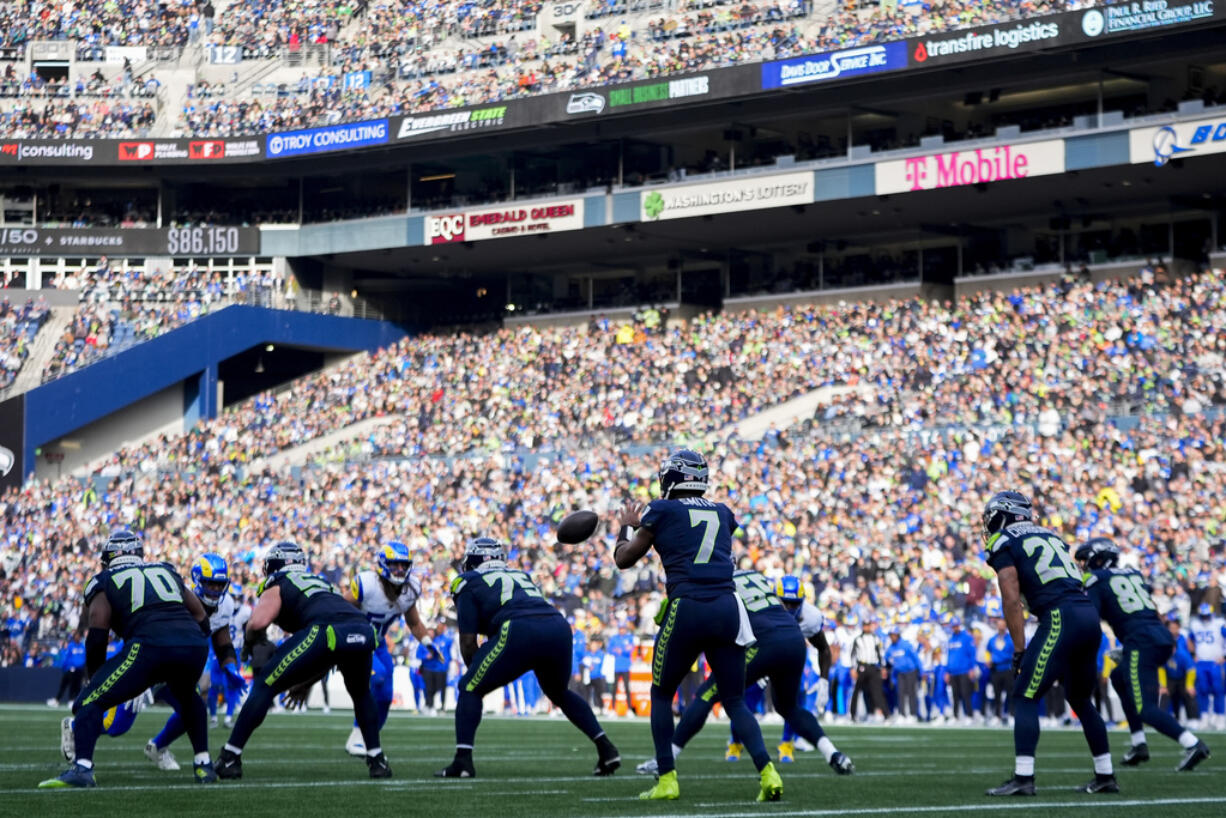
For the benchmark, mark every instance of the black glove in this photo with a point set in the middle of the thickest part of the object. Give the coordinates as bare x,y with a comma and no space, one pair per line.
1018,655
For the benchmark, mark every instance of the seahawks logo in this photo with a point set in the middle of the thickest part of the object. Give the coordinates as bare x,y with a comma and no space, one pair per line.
7,461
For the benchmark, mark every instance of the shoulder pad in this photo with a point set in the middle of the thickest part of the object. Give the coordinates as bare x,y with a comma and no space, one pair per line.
93,587
263,586
1089,578
458,584
414,584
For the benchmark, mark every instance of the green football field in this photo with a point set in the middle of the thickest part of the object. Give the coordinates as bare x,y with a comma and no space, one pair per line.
295,766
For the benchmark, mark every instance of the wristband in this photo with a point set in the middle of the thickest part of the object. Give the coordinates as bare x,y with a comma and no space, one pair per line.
625,533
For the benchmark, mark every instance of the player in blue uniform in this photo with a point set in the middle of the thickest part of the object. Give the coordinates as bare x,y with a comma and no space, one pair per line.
1123,600
702,615
779,655
162,625
1033,563
210,582
523,633
325,632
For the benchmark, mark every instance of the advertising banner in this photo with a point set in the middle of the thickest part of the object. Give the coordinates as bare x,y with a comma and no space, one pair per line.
129,242
501,222
731,196
225,54
325,140
1146,15
12,441
868,59
1179,140
956,168
415,127
135,54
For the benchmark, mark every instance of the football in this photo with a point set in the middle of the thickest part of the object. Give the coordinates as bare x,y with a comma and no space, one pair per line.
577,526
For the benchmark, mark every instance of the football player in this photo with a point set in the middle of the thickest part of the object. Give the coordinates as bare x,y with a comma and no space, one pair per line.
210,582
324,632
1123,600
1033,564
384,595
782,622
162,624
523,632
1208,638
703,613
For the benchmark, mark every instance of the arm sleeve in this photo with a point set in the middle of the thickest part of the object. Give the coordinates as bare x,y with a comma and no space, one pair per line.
466,612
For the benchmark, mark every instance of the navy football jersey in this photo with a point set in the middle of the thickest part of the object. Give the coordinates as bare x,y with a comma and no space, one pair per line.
1045,570
309,599
766,611
146,603
693,536
1123,600
492,594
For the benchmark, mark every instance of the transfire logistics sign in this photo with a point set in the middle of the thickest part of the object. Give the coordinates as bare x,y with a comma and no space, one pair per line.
956,168
730,196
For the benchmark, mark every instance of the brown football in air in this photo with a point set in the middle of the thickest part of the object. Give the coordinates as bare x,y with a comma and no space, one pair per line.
577,526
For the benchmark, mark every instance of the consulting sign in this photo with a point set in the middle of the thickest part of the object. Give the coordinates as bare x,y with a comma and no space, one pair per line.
324,140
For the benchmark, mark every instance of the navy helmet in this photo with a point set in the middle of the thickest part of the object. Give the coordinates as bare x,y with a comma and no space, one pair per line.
1098,553
483,550
1005,508
684,470
284,554
122,547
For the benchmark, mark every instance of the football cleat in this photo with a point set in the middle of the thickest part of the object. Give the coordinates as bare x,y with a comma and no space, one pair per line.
1137,754
213,722
68,744
355,745
609,759
841,764
164,759
228,722
734,752
229,765
1015,786
666,789
1193,756
203,773
459,768
378,766
1100,783
648,767
75,776
771,784
787,752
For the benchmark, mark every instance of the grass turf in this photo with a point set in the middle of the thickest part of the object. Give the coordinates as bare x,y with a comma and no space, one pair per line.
537,768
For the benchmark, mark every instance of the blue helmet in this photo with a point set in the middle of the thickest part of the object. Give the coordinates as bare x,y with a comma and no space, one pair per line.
1205,610
210,579
1098,553
481,550
1172,616
946,618
395,562
684,470
122,547
993,609
284,554
1004,508
955,622
789,588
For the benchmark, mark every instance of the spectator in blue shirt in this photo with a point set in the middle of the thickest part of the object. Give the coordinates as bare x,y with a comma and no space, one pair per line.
903,661
434,661
1175,690
960,670
593,675
1000,667
71,662
621,645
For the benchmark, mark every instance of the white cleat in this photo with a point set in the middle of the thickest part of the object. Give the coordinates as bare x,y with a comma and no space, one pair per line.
648,767
68,745
356,745
228,722
803,746
213,722
164,759
53,703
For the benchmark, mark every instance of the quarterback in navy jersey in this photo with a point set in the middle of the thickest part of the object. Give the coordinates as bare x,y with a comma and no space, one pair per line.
1123,600
702,615
523,633
1034,564
324,631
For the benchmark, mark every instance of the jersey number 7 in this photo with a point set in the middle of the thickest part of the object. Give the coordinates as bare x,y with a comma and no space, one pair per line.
709,520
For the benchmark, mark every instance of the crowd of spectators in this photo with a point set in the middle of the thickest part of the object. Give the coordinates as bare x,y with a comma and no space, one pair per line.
18,326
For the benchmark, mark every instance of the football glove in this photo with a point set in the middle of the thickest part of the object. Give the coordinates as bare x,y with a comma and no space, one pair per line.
823,694
234,677
1018,655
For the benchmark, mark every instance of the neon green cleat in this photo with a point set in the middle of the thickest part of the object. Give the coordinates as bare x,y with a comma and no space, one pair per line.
734,752
666,788
772,784
787,752
75,776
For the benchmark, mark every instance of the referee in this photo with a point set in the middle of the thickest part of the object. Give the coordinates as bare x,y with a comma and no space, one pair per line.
868,654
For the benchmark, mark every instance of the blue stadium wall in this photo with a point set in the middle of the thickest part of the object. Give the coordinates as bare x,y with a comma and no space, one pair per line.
190,354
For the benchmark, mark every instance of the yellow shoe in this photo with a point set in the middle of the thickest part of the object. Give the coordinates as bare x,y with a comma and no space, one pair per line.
666,788
772,784
787,752
734,752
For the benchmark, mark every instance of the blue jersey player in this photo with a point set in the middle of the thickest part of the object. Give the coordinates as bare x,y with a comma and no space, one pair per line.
523,633
1034,564
702,615
162,625
1123,600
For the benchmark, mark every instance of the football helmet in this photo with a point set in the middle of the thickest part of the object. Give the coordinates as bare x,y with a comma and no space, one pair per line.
1205,610
684,470
284,555
789,589
210,579
1004,508
993,609
395,562
122,547
482,550
1098,553
851,620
